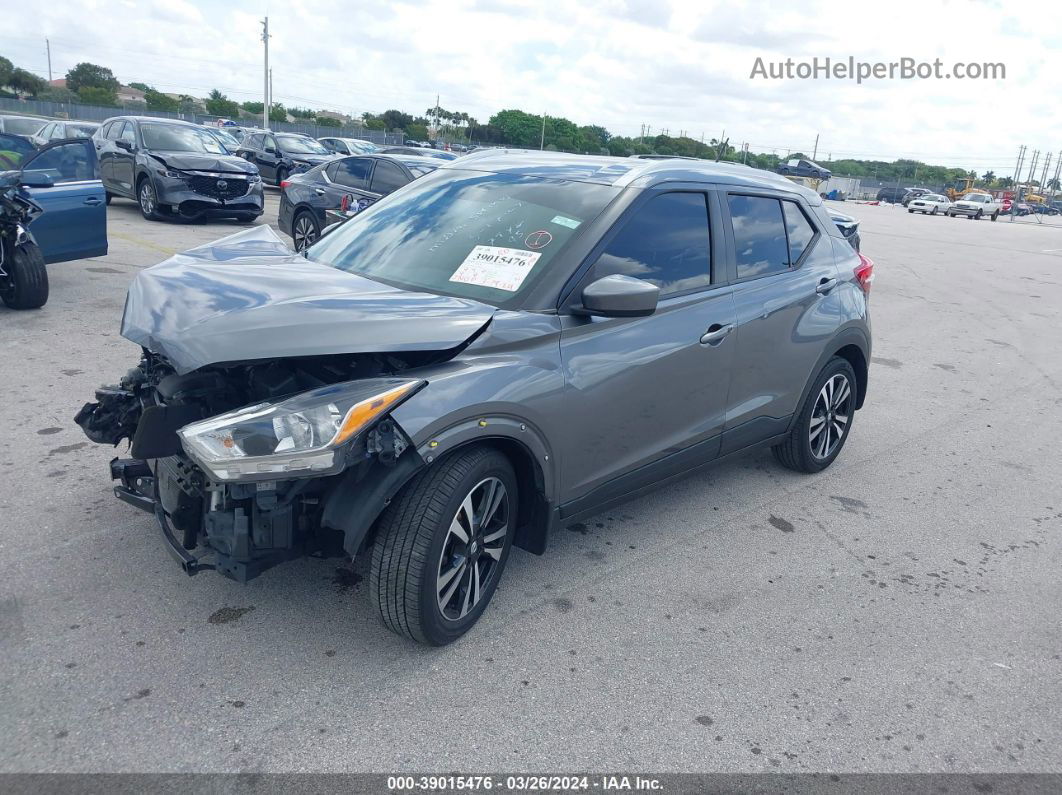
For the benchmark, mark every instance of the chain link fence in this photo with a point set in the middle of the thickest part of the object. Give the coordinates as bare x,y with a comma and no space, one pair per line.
74,110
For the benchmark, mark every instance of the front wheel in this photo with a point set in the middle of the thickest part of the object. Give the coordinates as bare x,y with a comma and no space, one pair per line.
934,211
442,544
995,215
282,175
824,422
23,278
148,199
978,216
910,210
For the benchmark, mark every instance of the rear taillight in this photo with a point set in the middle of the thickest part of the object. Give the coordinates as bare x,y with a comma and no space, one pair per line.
284,183
864,273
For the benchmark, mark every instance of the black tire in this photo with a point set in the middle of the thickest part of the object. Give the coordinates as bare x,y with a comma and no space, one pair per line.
414,534
305,229
796,451
148,204
934,211
282,174
995,215
978,216
107,196
26,283
910,210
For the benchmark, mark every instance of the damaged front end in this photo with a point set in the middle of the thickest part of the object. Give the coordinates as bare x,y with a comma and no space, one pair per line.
240,463
262,400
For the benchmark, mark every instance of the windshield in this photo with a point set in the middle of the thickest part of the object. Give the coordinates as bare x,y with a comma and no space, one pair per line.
975,197
296,144
175,138
488,237
22,126
80,130
227,140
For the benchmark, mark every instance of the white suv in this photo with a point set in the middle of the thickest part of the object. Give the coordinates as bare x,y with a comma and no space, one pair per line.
976,205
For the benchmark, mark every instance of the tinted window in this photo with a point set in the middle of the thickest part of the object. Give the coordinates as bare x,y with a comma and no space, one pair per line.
113,130
66,162
759,236
483,236
798,228
665,242
128,133
22,126
387,178
353,172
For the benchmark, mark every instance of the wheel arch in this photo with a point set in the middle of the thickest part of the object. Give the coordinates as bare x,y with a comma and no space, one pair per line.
852,344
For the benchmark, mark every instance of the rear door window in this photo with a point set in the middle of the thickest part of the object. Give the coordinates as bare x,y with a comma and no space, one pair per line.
760,240
666,242
66,162
351,172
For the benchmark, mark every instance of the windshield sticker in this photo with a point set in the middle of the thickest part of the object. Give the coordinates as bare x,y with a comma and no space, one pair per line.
539,239
561,220
496,267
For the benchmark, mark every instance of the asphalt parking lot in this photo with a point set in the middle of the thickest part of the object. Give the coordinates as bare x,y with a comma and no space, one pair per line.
899,612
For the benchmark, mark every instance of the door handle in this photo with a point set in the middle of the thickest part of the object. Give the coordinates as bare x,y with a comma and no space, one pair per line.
319,191
92,201
825,285
716,333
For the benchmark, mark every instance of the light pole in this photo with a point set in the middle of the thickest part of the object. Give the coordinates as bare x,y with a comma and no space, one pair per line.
265,74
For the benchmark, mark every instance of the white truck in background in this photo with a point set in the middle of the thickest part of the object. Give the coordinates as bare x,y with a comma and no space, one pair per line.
975,206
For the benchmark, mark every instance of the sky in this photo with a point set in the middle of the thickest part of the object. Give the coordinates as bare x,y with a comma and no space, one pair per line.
679,65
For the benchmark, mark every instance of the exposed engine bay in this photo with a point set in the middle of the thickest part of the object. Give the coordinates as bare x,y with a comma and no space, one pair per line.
239,528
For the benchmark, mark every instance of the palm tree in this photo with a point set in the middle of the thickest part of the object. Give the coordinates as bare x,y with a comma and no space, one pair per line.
989,178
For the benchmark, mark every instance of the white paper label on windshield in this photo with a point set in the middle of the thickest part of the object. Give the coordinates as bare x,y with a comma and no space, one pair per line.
564,220
496,267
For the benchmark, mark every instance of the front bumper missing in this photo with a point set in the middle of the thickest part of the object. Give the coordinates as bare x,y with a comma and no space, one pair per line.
137,488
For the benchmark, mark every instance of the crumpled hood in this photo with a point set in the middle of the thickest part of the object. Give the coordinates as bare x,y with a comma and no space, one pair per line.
313,160
193,161
248,296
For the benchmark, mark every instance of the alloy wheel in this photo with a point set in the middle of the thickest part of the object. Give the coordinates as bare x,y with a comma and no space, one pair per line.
472,549
829,418
305,233
147,198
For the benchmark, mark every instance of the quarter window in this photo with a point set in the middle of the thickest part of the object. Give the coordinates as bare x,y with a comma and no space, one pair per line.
128,133
759,236
799,230
666,243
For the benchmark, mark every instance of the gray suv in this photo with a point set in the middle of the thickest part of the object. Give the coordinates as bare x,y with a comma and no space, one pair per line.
510,344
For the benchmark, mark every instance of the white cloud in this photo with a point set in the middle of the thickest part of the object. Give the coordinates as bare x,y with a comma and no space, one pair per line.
682,65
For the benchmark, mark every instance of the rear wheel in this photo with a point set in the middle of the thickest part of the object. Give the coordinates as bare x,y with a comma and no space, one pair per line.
442,544
107,197
825,419
282,174
305,230
23,277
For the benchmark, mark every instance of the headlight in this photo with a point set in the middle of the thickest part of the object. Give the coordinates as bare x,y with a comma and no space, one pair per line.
169,172
253,178
300,435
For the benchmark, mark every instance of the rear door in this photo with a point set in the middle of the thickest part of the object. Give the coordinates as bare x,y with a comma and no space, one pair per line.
74,222
388,177
783,269
351,177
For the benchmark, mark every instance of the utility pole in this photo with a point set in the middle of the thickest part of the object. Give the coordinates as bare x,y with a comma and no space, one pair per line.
1058,170
48,47
1043,176
265,74
1017,180
815,151
542,139
270,87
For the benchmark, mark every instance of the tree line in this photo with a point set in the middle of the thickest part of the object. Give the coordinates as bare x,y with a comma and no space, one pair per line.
92,84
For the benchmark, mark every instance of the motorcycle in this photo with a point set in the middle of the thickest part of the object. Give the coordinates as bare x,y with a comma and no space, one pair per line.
23,277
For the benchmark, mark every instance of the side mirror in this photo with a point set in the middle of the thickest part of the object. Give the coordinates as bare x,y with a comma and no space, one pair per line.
620,296
37,179
124,145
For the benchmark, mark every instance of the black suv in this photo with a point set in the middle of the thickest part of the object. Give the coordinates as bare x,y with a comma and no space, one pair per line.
892,194
279,154
175,168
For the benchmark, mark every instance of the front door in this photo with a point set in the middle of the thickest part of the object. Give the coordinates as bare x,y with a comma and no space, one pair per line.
123,160
648,395
74,222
